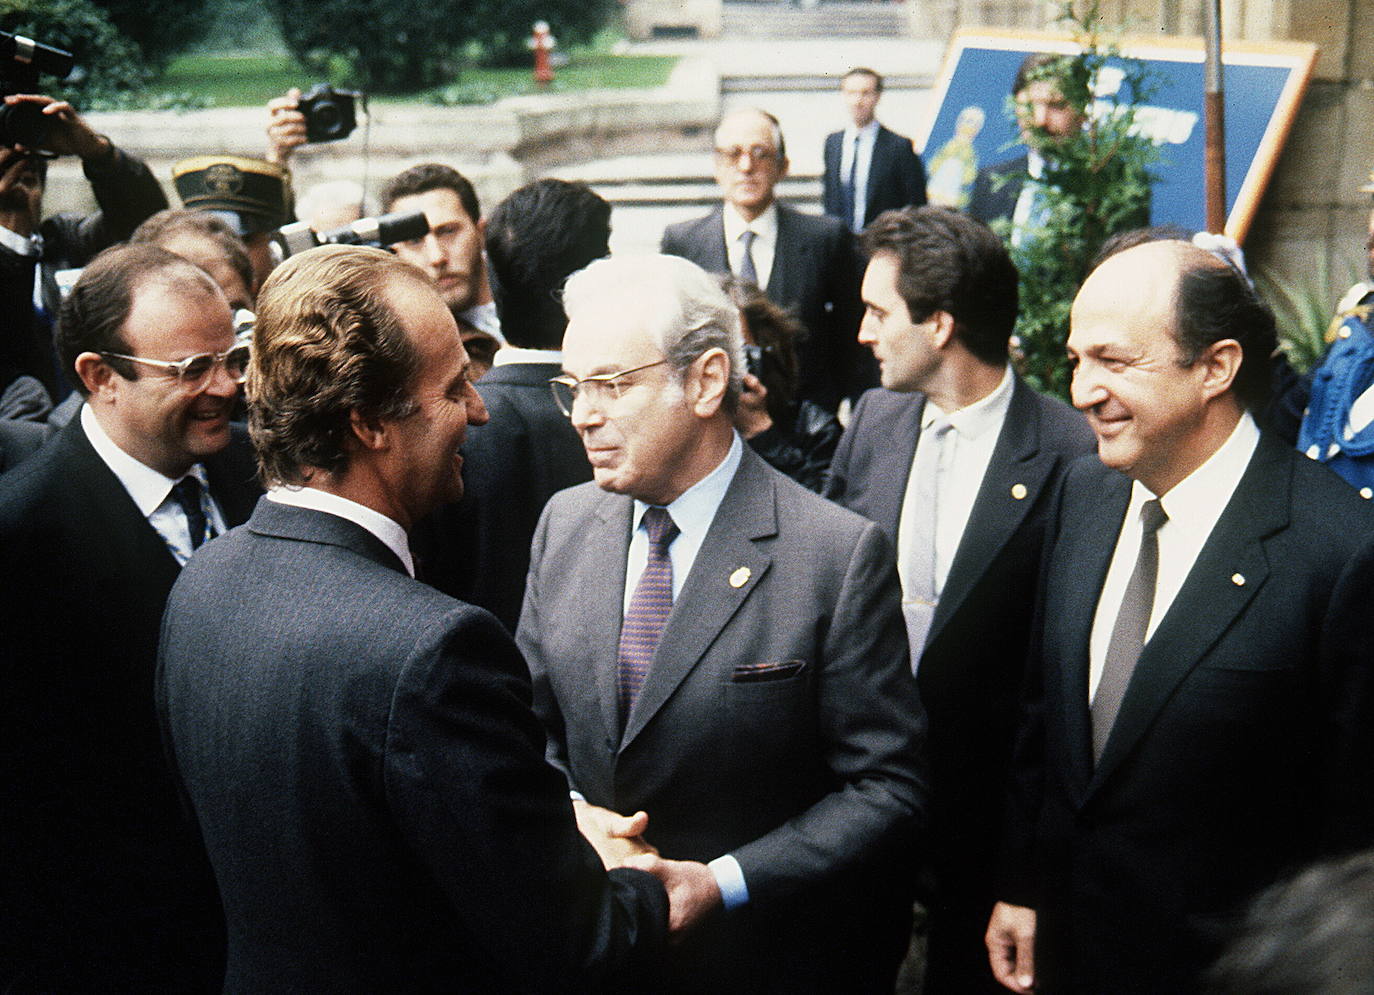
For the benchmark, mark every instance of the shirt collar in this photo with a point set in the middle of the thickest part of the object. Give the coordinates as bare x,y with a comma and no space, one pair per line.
146,486
314,499
483,317
1035,164
765,225
696,507
1202,495
984,415
509,354
868,132
27,246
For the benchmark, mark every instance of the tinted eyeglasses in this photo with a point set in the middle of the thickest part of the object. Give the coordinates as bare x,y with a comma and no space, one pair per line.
192,372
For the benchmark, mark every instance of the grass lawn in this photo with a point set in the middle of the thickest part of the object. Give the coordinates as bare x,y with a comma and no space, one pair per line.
251,80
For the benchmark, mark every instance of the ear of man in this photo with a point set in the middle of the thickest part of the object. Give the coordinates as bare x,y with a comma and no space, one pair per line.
1220,364
707,379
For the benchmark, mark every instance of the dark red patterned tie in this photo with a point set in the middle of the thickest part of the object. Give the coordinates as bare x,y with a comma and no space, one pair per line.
648,611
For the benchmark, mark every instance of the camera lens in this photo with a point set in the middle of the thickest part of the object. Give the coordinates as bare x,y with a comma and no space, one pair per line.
23,124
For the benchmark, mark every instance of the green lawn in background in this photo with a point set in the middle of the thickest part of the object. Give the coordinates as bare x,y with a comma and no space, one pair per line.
251,80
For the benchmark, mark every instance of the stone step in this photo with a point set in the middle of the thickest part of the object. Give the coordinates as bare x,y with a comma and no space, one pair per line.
770,19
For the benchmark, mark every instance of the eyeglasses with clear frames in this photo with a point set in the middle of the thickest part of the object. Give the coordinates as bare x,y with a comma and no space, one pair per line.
192,372
599,389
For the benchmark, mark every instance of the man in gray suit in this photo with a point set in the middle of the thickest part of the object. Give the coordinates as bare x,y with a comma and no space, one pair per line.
957,459
358,748
801,261
718,648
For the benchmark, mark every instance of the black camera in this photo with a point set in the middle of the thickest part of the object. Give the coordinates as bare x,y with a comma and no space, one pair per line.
378,232
330,114
22,61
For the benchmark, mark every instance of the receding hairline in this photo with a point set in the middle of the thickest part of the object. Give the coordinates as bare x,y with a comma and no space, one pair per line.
757,113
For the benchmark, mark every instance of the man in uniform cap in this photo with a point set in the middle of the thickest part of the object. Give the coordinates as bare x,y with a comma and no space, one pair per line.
253,195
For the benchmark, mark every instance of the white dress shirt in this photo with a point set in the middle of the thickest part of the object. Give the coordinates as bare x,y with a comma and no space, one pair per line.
1193,505
387,530
28,247
867,135
151,491
509,354
965,457
692,513
765,229
1025,200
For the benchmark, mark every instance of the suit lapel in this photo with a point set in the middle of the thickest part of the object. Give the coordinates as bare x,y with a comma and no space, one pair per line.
728,567
1083,554
1208,603
787,253
715,259
604,586
895,440
1016,468
875,166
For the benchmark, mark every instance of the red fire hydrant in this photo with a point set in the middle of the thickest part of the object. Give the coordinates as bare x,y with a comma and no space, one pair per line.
542,43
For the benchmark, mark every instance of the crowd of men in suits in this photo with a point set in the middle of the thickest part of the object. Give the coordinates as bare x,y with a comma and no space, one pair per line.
548,681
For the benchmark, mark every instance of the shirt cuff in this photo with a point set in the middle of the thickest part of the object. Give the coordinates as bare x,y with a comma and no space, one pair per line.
730,880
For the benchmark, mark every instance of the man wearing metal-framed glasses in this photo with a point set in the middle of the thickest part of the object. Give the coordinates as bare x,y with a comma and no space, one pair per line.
718,656
109,887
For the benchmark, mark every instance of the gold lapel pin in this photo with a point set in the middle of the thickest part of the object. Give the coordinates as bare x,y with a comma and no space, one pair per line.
1018,491
740,577
1238,580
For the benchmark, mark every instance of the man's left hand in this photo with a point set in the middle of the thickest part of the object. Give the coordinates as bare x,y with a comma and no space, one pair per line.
67,134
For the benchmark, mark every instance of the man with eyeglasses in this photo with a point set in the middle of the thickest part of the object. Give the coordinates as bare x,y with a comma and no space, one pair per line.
801,261
718,655
106,886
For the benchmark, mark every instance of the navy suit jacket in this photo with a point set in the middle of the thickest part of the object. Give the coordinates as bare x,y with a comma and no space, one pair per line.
112,890
816,274
1242,747
896,177
478,549
971,670
994,197
778,723
369,779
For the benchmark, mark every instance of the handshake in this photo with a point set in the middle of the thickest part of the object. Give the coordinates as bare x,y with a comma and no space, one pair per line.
619,842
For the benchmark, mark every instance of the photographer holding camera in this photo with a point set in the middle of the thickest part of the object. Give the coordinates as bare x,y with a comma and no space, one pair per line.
32,248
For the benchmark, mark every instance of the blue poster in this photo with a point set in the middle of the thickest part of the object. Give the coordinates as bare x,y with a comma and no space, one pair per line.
972,129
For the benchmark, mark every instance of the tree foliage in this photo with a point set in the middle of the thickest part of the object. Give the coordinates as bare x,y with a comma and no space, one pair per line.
160,28
1095,183
400,45
109,67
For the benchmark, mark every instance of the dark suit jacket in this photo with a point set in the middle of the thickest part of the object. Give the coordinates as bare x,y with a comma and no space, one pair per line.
778,723
971,672
368,777
1242,747
478,549
896,177
992,196
815,274
106,886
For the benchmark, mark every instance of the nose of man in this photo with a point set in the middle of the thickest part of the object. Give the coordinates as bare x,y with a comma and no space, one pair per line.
477,408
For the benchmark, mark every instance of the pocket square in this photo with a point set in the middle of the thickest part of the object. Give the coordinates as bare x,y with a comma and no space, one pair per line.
748,673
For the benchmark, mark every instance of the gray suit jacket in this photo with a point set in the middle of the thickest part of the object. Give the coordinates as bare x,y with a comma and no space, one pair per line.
369,779
815,274
779,722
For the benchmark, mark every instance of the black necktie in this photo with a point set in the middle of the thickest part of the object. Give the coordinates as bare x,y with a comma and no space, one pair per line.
851,193
1132,622
187,491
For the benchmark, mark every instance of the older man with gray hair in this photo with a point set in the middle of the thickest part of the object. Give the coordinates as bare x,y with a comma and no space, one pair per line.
718,655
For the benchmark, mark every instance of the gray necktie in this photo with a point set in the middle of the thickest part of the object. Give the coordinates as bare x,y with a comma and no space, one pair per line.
1132,622
917,534
650,606
851,189
746,262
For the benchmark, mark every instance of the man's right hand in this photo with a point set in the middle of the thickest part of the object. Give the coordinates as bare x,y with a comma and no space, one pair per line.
614,836
285,127
1011,946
